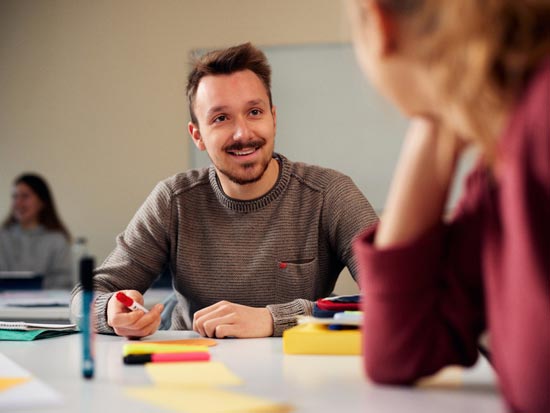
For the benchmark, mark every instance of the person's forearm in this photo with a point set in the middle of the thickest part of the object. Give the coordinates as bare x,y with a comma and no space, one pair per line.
420,185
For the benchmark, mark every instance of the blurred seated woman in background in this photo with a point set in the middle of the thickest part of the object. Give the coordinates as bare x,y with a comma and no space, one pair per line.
33,238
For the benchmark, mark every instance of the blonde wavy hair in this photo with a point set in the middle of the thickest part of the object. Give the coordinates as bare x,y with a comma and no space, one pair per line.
481,52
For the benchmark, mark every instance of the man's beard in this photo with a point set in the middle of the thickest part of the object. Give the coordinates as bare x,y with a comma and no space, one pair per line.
248,180
234,177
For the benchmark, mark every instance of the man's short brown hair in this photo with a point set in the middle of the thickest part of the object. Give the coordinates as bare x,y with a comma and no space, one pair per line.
224,62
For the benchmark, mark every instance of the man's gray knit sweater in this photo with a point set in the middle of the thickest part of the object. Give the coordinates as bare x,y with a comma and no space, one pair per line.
282,250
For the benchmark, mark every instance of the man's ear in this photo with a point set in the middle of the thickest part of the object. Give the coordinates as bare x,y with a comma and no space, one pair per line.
383,26
274,114
196,136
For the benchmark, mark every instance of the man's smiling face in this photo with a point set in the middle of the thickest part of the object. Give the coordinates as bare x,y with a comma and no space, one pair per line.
236,125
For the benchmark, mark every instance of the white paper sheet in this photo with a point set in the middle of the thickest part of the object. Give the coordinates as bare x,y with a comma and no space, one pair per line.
33,393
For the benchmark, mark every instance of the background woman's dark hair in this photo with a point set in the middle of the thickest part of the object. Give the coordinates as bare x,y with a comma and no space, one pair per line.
48,217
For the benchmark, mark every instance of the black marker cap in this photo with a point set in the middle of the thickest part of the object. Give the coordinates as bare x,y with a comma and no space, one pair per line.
137,358
87,273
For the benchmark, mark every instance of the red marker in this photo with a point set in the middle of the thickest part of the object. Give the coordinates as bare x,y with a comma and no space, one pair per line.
129,302
166,357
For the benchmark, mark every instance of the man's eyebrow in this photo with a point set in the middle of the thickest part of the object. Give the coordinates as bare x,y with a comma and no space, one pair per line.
221,108
215,109
255,102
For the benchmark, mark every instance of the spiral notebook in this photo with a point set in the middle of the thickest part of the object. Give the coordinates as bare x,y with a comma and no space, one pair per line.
22,331
21,325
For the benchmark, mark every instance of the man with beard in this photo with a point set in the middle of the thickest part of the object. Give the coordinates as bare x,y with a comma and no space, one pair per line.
250,241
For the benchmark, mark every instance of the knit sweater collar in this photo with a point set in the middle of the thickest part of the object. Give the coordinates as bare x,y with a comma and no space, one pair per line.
258,203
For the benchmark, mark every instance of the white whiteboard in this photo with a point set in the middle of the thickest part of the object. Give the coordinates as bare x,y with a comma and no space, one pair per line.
328,114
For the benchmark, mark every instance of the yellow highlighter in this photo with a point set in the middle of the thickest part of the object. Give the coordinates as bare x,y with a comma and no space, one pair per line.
148,348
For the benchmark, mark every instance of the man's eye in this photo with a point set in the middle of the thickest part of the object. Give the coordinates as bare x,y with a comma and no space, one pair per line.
220,118
255,112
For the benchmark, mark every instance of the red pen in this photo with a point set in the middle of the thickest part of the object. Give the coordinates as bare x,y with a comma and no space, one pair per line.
129,302
166,357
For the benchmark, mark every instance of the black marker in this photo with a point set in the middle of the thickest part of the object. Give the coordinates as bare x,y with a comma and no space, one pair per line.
86,280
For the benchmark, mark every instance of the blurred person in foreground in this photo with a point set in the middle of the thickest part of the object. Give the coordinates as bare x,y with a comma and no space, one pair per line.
470,73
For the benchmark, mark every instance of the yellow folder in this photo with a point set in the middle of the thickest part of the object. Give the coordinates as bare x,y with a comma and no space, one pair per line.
319,339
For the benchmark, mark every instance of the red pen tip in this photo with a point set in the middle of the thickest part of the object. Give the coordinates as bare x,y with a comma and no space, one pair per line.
124,299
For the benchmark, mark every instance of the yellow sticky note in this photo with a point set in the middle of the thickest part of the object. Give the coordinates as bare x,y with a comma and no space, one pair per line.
148,348
199,373
205,400
9,382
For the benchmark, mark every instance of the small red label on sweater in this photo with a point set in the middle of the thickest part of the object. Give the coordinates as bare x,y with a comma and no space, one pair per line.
282,265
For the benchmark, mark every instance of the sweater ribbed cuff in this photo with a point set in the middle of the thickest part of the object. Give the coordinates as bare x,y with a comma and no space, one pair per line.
284,315
100,312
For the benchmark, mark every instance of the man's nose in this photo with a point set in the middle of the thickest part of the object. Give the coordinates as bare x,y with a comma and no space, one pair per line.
242,129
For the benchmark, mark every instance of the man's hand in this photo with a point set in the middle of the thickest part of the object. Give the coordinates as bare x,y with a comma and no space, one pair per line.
132,324
225,319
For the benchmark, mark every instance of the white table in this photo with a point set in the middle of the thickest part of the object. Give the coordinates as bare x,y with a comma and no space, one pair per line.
309,383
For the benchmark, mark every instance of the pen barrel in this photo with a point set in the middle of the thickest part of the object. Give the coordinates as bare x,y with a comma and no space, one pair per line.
137,306
86,327
87,339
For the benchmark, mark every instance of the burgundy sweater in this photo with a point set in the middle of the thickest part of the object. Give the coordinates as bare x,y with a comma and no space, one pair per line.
427,302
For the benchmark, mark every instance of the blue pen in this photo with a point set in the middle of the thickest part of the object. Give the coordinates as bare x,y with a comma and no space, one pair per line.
86,280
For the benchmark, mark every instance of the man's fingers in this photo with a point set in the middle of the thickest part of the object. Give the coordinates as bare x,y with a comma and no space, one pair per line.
210,326
122,320
219,306
137,323
209,313
226,330
141,332
225,319
147,319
